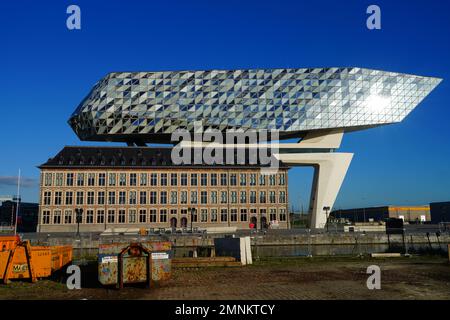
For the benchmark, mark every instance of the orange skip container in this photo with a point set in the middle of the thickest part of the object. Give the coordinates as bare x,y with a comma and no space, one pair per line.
24,261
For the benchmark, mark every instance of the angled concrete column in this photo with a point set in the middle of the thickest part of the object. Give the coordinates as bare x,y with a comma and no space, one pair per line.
329,173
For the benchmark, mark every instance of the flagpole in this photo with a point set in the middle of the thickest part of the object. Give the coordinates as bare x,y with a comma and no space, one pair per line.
17,203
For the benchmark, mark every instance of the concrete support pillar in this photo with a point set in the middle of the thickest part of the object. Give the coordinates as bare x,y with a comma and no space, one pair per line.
329,173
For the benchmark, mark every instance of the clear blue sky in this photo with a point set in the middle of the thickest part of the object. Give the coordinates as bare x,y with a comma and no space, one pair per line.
46,70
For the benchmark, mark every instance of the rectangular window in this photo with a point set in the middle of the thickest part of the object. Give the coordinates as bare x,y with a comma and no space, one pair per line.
68,216
223,197
46,217
253,179
184,179
213,197
47,198
262,212
122,197
223,215
204,215
90,216
133,179
273,215
183,211
233,179
90,197
164,179
80,196
272,181
101,197
101,179
142,197
252,196
163,215
163,197
111,197
133,199
223,179
80,179
173,211
173,179
154,179
282,178
204,179
57,217
111,216
48,179
243,179
213,215
183,197
213,179
153,197
59,177
69,179
100,216
262,197
58,198
204,197
143,179
91,179
112,179
142,216
233,197
282,197
122,179
233,215
272,198
193,179
194,197
282,214
69,198
152,215
243,197
262,180
244,215
173,197
132,216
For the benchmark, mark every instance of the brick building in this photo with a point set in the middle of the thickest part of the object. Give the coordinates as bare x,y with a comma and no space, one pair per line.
135,187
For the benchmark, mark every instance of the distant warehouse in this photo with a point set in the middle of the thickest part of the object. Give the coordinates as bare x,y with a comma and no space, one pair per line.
411,214
440,212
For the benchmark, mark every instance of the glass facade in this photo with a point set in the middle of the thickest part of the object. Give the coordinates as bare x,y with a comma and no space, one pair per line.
129,106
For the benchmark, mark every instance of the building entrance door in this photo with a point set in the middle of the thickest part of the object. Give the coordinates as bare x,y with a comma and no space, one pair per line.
173,222
254,221
184,222
263,223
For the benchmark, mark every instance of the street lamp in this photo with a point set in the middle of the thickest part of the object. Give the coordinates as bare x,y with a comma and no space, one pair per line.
79,217
326,212
192,210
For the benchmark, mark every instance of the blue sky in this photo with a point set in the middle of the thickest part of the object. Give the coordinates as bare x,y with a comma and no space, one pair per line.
46,70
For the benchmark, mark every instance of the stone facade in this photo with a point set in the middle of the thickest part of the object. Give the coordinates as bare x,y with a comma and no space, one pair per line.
116,197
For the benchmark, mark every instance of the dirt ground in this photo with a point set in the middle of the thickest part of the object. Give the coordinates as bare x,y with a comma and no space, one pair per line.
284,279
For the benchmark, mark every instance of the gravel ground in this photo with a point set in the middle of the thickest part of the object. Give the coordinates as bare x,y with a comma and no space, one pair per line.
283,279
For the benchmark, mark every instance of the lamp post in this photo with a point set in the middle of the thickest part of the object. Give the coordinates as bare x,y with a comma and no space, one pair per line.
79,217
326,212
192,210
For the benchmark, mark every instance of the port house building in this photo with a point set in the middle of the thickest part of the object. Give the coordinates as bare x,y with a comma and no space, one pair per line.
314,107
140,187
